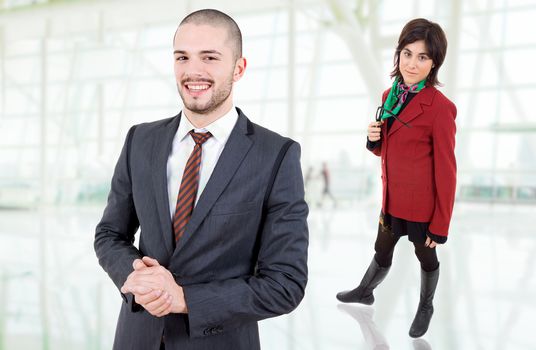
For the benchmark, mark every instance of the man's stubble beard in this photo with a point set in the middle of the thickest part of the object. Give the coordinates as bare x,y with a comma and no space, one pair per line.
216,100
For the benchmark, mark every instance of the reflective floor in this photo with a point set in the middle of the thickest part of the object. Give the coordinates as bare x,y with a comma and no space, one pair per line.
54,295
485,297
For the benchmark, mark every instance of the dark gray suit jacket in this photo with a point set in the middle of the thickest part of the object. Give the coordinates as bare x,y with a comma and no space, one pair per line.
243,257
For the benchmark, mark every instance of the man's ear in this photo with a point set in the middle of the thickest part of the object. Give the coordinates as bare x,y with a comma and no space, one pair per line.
240,68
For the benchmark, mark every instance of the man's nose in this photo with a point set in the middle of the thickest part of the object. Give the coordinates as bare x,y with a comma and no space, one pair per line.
194,66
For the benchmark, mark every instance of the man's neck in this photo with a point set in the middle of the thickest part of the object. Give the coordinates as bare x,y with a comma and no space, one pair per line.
200,121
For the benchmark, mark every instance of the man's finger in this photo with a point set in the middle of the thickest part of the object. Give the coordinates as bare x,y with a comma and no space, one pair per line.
143,299
148,261
139,289
149,280
142,284
135,289
159,305
165,312
138,264
166,307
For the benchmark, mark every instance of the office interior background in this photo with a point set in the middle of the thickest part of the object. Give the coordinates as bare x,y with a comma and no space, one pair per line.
75,75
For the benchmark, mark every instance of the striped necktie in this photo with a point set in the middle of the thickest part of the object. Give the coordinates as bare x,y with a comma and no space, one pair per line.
189,186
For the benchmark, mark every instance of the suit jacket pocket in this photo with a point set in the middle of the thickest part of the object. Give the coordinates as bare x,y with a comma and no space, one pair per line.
232,208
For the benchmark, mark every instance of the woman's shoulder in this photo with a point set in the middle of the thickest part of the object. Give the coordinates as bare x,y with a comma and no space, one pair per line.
385,93
442,106
441,99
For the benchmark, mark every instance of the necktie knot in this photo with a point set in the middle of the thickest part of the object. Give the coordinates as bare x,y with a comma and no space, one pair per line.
200,137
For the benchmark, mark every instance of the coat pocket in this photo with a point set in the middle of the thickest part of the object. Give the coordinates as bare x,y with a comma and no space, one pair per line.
232,208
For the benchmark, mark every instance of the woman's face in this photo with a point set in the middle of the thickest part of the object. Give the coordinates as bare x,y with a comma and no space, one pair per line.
414,63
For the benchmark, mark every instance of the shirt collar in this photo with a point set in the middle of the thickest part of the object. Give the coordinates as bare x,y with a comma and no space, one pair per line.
220,129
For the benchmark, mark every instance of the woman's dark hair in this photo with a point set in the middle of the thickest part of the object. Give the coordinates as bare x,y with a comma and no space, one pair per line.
434,40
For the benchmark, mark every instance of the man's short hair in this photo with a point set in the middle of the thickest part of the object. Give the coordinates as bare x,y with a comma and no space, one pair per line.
219,19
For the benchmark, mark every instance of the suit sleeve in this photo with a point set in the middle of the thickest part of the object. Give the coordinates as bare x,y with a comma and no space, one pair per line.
278,285
114,235
443,133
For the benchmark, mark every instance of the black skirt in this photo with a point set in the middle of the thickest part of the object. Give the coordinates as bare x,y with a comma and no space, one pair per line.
416,231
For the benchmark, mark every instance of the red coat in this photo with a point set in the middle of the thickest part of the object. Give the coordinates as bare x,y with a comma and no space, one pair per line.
418,163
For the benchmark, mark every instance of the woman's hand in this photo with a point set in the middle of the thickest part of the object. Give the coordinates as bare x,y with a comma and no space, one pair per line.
374,131
429,243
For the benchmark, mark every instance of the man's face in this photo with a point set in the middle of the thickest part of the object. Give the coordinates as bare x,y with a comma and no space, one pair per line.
205,68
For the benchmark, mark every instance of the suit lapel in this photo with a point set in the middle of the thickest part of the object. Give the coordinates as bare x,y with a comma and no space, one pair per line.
233,154
414,108
161,148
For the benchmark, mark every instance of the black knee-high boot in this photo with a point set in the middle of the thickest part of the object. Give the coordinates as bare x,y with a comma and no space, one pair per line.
426,308
363,293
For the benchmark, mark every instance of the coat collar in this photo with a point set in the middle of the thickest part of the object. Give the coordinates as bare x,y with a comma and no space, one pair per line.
162,144
414,108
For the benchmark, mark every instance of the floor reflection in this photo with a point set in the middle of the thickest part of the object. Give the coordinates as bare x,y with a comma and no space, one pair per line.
54,295
364,317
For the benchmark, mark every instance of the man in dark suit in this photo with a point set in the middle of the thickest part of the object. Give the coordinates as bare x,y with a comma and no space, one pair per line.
220,206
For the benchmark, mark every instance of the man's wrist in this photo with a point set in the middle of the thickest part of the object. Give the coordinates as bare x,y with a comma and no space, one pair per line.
179,305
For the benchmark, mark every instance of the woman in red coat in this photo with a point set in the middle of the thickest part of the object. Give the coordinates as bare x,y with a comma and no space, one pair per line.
414,136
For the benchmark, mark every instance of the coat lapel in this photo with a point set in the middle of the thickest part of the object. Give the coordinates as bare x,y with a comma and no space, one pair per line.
233,154
161,148
414,108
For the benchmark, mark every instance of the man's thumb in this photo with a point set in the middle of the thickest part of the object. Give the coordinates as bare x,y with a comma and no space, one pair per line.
138,264
150,261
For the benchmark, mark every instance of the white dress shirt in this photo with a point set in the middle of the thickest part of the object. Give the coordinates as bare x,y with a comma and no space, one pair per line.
183,145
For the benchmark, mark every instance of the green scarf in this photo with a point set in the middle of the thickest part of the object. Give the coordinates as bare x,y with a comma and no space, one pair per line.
397,96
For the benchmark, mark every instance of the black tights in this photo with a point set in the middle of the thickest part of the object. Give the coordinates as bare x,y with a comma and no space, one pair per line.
385,246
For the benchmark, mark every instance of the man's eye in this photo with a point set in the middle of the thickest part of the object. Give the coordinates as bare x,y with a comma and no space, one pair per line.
180,58
210,58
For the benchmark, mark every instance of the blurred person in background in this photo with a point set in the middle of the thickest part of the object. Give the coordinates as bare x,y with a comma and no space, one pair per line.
325,173
220,205
414,134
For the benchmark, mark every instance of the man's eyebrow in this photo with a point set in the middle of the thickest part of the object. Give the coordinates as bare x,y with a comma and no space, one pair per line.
213,52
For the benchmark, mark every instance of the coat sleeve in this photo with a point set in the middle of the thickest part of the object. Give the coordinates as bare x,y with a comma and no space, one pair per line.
278,285
114,235
376,146
443,134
